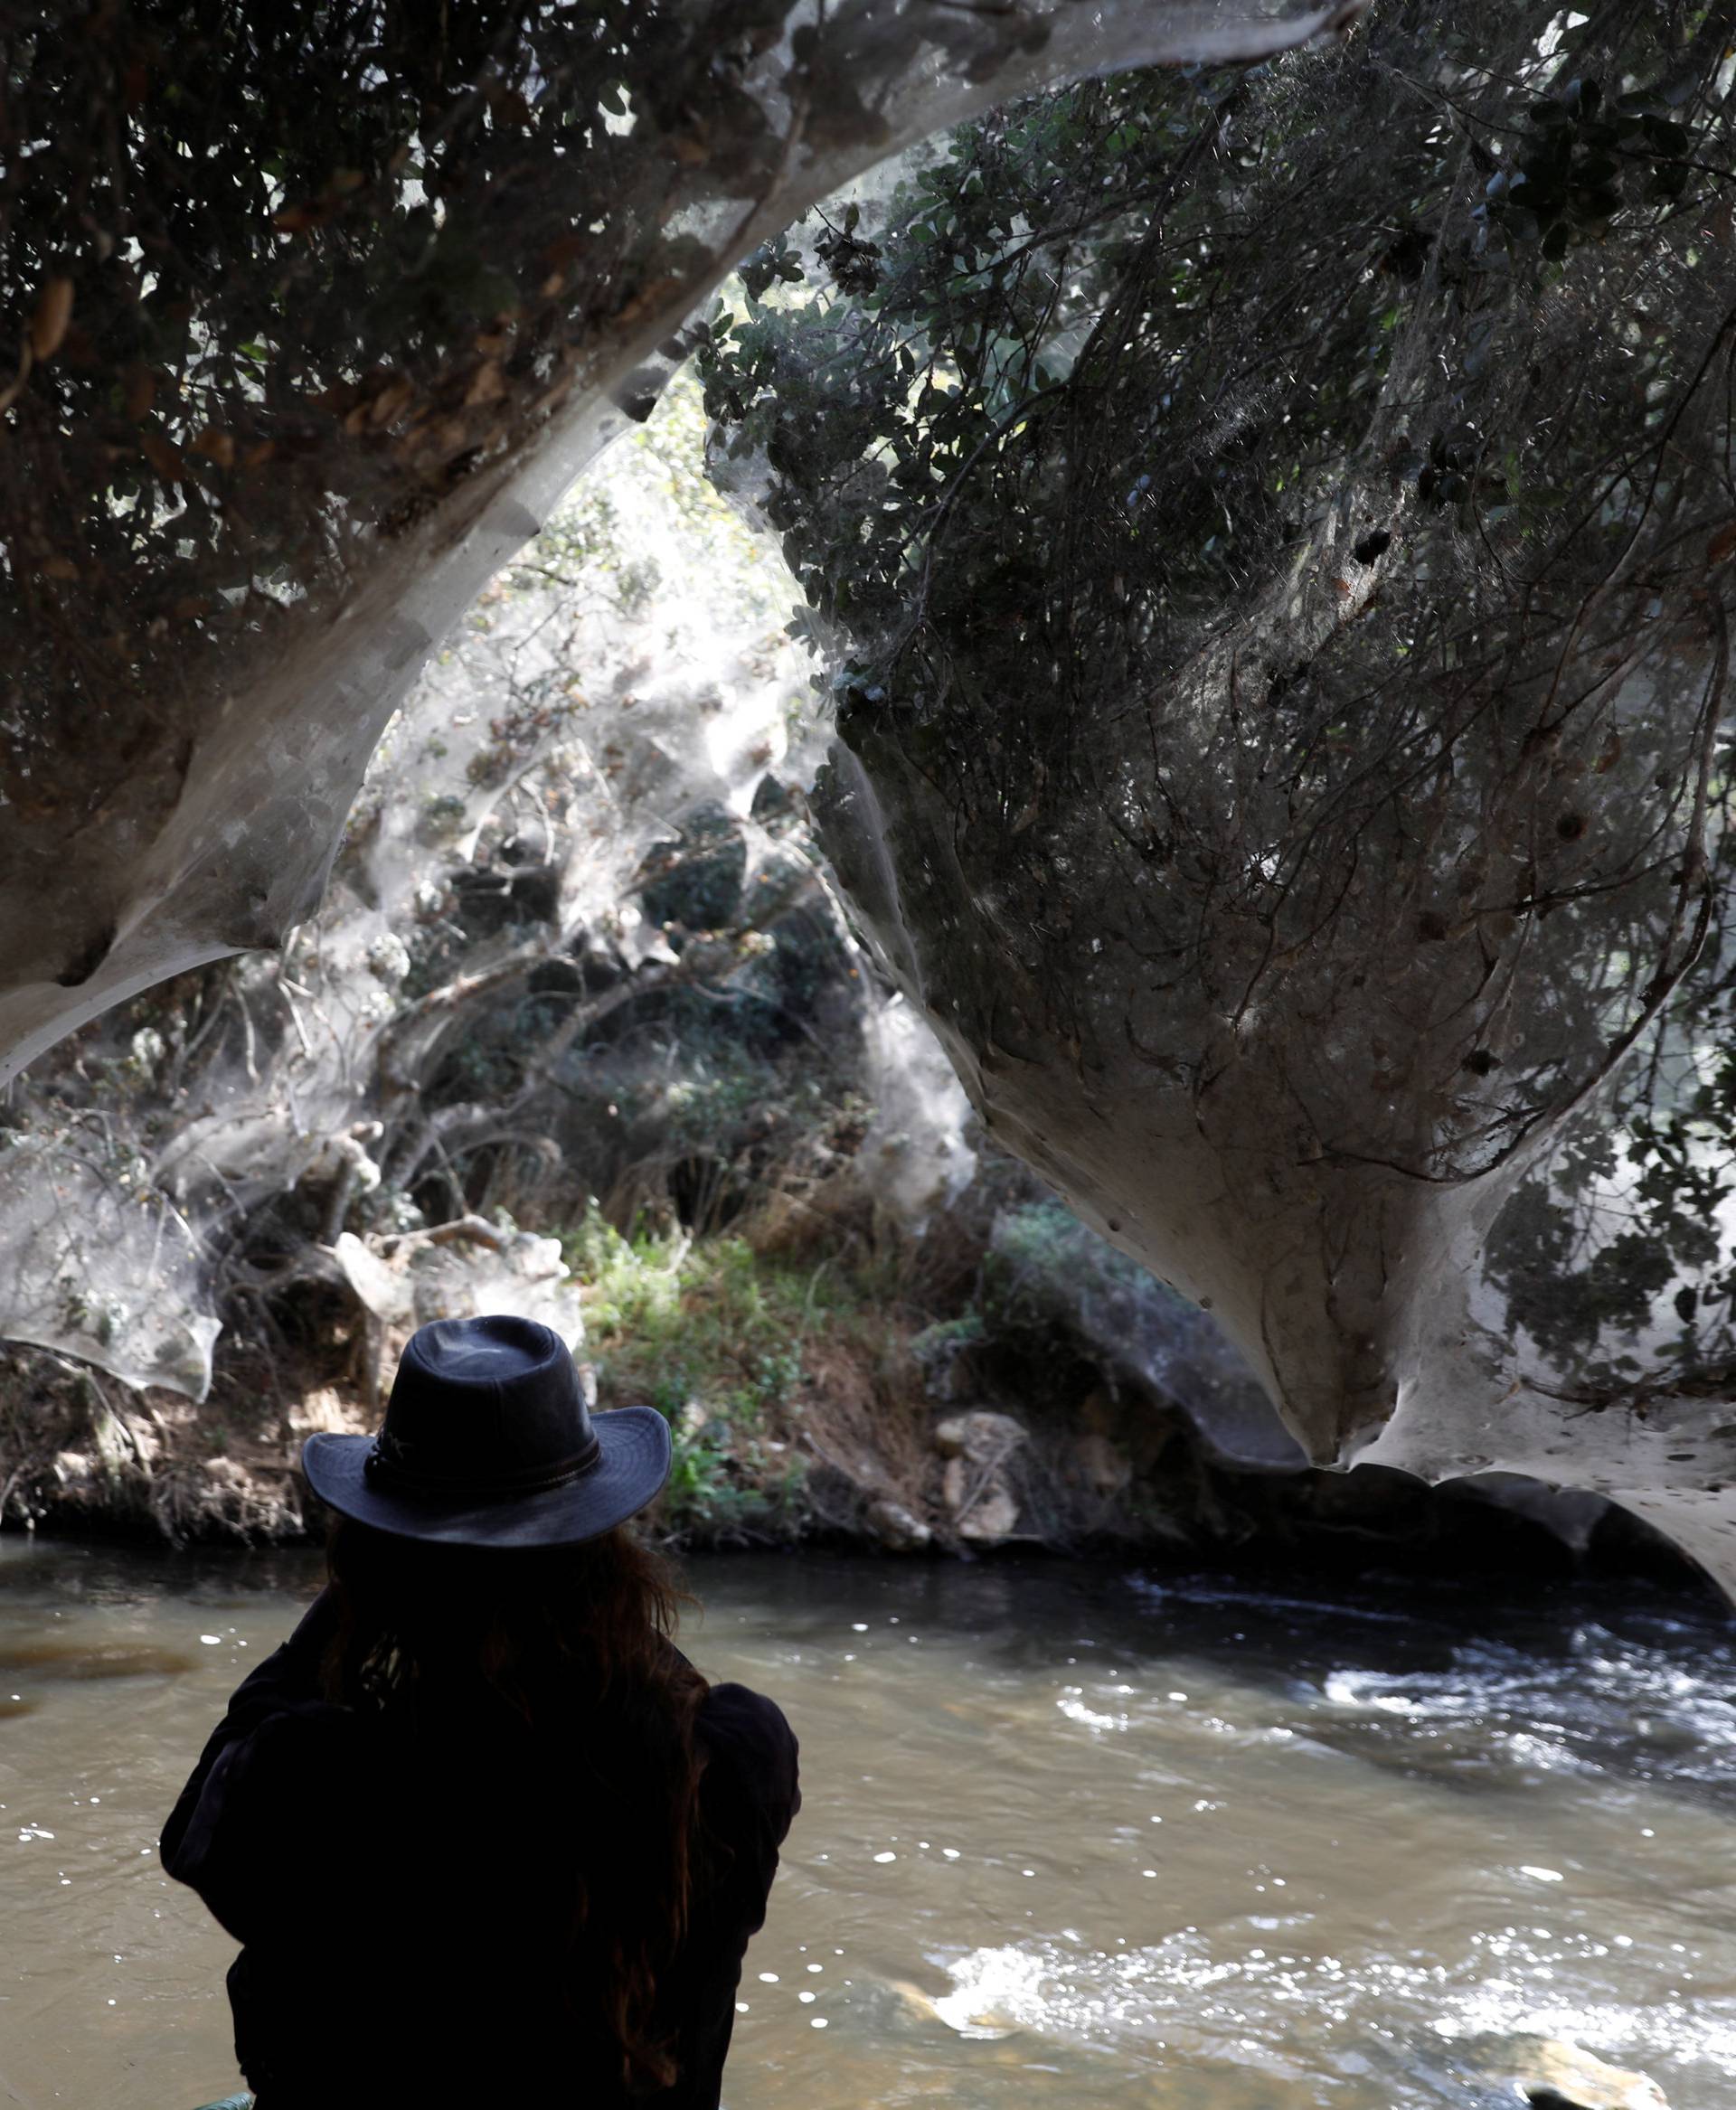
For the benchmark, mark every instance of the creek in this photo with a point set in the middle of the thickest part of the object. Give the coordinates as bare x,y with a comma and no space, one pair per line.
1072,1835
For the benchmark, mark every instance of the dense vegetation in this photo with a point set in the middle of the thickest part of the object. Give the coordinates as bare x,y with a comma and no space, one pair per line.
1272,532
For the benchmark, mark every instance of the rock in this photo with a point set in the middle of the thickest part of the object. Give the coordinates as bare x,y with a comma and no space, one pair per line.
1555,2075
73,1469
918,2005
1569,1514
975,1446
1102,1466
991,1517
380,1288
320,1409
896,1529
978,1491
915,2005
982,1437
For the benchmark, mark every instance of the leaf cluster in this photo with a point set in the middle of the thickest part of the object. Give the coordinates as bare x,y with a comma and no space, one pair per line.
1583,160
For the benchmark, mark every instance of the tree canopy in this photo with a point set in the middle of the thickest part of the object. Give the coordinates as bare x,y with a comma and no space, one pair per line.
1272,532
313,307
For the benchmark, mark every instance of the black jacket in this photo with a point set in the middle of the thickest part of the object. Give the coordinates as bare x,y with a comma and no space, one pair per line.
395,1899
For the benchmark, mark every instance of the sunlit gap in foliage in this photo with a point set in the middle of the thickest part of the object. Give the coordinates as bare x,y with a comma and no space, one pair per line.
577,967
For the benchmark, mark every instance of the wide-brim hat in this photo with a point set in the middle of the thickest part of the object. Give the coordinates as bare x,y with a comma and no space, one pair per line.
488,1441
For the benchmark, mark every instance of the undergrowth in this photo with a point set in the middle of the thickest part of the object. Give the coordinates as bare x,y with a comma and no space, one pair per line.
719,1340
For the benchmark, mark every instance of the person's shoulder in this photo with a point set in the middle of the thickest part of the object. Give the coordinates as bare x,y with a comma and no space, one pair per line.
749,1741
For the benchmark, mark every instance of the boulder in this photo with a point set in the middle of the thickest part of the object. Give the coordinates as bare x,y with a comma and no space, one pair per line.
990,1518
984,1508
896,1529
917,2006
74,1469
1570,1514
1101,1466
1552,2074
982,1437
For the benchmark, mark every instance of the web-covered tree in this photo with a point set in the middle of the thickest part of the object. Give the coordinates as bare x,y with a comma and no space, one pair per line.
309,311
1273,531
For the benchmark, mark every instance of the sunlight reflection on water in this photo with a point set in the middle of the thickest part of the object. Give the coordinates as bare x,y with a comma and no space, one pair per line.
1068,1837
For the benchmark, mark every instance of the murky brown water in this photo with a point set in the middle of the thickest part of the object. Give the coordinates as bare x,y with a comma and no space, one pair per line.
1070,1838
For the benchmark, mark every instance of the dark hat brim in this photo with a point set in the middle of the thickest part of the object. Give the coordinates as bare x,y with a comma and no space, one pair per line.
634,1463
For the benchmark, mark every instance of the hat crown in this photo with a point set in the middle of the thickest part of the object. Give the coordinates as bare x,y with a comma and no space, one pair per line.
484,1405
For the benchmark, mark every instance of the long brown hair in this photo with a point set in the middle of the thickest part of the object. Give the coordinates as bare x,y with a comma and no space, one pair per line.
576,1641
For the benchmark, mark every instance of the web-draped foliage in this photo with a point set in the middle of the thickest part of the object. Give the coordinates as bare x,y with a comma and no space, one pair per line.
1274,532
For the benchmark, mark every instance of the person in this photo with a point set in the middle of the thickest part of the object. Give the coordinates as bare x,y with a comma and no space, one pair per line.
482,1830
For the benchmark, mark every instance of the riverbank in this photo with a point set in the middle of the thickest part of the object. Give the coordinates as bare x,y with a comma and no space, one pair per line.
814,1403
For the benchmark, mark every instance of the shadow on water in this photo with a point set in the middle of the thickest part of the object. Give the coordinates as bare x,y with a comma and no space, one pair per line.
1468,1689
114,1573
1450,1682
1462,1683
